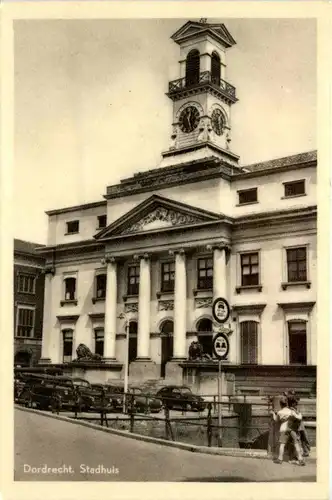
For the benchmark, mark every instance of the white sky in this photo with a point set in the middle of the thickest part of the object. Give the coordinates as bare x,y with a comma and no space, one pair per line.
90,104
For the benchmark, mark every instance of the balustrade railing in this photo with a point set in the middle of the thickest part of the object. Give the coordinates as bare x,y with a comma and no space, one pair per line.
204,77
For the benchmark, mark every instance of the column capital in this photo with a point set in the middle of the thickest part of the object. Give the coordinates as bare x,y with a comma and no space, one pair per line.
177,251
108,259
141,256
48,270
218,246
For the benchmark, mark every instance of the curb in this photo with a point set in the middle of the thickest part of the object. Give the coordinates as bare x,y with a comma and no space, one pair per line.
231,452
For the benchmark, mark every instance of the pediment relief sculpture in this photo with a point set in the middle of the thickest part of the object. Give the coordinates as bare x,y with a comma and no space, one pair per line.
161,217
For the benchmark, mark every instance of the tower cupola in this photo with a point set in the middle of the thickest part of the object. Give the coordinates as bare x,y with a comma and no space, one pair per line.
202,97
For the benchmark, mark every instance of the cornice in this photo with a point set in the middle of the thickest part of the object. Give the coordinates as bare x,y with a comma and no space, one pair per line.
248,309
69,317
270,171
275,216
174,175
97,316
84,206
289,306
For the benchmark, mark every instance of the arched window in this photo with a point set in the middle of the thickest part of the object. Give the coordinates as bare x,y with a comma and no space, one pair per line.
249,342
204,334
133,327
215,68
297,342
166,330
167,327
192,67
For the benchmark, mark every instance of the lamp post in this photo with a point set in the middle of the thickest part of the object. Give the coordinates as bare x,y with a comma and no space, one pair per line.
125,389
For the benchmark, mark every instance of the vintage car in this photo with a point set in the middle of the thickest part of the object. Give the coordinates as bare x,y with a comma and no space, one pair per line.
180,398
46,392
145,403
111,396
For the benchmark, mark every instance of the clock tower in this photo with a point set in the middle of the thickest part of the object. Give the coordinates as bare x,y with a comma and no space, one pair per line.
202,97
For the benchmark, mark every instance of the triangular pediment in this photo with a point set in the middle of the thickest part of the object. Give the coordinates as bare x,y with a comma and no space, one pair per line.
157,214
192,29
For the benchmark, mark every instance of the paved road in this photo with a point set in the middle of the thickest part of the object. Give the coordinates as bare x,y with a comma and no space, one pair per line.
41,440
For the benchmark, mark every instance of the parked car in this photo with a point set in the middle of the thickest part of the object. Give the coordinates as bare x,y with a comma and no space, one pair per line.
112,395
46,392
145,403
180,398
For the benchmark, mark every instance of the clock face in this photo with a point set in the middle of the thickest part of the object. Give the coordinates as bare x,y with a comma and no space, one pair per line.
189,119
217,121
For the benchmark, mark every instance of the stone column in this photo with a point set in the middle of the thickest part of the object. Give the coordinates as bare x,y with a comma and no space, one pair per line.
46,349
180,306
110,310
144,295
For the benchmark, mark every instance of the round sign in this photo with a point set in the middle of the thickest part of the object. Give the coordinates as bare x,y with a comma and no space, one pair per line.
220,345
220,310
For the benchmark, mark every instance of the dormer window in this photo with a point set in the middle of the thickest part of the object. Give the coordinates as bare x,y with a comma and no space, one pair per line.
192,67
294,188
73,227
101,221
215,68
247,196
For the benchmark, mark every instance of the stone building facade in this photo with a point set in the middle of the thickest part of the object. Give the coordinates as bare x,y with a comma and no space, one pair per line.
163,244
28,282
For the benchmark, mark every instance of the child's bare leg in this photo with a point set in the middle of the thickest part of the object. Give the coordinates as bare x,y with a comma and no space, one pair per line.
298,451
281,452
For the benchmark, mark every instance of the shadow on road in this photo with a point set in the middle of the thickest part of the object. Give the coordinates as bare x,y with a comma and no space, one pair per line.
236,479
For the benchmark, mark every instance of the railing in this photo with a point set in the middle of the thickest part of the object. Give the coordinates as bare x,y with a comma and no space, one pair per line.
204,77
245,420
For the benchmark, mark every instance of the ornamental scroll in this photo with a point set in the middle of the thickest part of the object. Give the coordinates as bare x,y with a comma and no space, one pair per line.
131,308
166,305
203,303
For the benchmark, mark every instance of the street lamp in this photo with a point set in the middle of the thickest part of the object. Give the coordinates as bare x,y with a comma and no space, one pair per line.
125,389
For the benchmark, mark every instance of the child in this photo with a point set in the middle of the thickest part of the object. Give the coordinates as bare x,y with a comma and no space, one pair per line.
284,416
295,425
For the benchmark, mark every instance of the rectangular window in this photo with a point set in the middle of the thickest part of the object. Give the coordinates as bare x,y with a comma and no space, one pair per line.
101,286
99,341
167,276
101,221
70,288
205,273
249,342
26,283
296,264
247,196
133,280
67,345
25,322
294,188
297,336
249,269
73,227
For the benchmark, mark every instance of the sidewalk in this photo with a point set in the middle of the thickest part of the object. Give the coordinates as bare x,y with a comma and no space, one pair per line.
233,452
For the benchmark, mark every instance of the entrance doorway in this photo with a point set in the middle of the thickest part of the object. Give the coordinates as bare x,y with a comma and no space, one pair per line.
132,342
22,358
204,335
166,330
